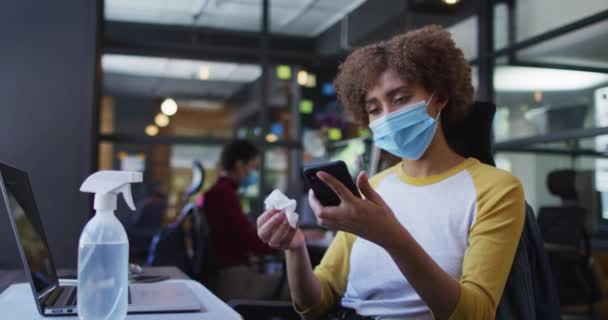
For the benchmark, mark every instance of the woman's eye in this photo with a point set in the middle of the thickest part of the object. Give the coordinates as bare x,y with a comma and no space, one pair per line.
373,110
400,100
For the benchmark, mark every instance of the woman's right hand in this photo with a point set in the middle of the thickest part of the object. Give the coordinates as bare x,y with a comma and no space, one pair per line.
274,229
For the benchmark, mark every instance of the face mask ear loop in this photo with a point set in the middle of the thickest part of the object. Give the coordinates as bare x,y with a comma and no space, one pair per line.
428,103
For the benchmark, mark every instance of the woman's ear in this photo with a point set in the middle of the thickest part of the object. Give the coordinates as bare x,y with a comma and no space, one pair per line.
439,105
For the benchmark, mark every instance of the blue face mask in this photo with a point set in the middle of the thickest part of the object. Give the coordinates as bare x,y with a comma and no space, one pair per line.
251,179
407,132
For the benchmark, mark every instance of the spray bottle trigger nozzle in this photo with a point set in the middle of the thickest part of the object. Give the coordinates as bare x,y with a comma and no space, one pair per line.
126,194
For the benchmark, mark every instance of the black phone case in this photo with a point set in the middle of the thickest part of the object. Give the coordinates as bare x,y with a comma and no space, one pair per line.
324,193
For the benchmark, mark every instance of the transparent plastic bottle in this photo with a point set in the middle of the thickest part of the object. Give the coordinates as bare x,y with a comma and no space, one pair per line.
103,249
103,269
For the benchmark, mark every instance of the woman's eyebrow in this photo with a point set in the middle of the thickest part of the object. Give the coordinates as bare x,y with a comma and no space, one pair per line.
371,101
389,93
394,91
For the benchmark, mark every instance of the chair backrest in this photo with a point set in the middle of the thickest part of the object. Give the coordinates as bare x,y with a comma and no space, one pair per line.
198,179
184,243
472,137
562,183
564,225
168,248
568,244
530,289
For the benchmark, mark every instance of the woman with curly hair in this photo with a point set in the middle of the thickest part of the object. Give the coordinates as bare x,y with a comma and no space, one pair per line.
436,234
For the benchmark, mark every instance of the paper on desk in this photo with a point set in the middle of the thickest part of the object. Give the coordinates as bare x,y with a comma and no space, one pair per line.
277,200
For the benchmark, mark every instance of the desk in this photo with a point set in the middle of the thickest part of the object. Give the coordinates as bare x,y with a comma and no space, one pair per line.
8,277
17,301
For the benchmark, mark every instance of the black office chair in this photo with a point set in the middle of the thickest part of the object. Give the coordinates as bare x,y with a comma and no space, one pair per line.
146,222
198,180
185,243
473,136
568,245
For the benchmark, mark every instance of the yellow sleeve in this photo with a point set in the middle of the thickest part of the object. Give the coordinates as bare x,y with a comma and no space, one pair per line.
493,240
332,274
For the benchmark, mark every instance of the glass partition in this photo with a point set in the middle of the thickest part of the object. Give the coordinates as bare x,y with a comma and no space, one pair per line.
541,101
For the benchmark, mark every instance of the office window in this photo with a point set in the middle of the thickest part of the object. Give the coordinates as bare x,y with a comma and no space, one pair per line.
541,101
538,16
156,96
552,86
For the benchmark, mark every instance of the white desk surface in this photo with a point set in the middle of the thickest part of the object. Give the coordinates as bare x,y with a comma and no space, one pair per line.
17,302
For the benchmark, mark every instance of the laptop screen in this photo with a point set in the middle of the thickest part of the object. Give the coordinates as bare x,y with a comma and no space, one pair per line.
26,222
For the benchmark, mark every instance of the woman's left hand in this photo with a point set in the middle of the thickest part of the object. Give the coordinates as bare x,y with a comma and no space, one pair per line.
368,218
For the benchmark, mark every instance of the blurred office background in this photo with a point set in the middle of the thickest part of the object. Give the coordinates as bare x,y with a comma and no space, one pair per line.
154,85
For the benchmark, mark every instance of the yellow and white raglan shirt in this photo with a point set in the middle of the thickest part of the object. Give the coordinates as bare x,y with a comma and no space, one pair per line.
469,219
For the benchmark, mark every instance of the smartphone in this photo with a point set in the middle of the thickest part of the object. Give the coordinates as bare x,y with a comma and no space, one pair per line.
324,193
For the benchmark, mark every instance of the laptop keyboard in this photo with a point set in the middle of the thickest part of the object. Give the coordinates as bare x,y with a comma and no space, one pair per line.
72,298
54,298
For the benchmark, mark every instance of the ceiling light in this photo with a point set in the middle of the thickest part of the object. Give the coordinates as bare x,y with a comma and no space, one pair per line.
161,120
451,2
151,130
271,137
203,72
168,107
538,96
302,77
507,78
311,82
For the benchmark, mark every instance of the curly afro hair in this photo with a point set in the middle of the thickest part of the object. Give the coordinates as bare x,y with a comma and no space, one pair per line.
426,56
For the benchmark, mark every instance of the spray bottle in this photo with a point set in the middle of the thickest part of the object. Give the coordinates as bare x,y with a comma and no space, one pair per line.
103,249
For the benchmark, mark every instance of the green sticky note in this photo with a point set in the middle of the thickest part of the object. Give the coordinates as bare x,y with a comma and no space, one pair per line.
306,106
334,134
284,72
364,133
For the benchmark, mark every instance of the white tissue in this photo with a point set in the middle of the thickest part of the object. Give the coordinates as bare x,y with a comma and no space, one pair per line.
277,200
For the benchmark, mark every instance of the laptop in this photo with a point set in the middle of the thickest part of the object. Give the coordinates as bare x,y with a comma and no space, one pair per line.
53,297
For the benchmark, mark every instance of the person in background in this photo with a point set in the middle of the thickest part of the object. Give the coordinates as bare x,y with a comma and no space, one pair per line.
233,236
435,235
